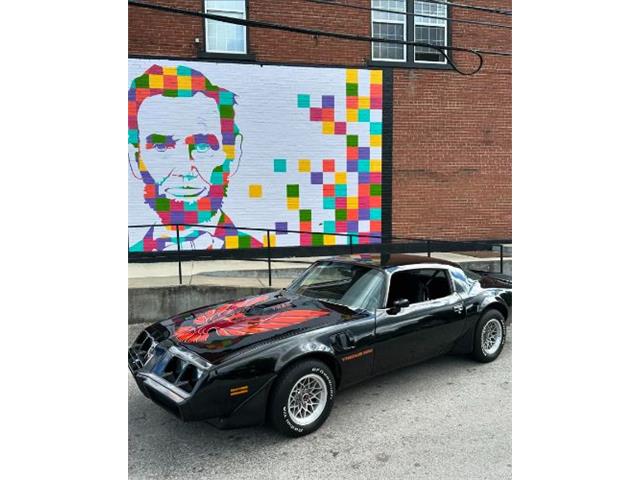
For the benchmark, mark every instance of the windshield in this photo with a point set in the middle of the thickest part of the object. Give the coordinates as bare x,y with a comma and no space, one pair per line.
354,286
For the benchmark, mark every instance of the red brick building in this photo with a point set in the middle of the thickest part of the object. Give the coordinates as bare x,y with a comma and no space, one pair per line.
451,134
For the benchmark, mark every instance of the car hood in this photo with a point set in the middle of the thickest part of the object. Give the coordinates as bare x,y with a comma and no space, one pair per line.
217,331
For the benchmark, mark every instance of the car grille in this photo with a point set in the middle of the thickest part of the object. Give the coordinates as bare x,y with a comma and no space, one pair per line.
181,373
141,350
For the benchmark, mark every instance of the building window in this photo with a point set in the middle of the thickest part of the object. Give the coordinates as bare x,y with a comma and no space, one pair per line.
410,28
430,30
226,37
389,25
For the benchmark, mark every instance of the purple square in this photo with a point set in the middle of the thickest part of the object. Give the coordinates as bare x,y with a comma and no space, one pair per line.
363,178
363,214
316,178
363,153
327,101
177,217
352,165
352,227
281,228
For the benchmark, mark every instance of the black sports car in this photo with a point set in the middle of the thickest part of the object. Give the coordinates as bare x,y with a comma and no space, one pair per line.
282,356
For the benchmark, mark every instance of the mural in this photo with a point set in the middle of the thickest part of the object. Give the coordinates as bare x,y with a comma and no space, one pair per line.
218,149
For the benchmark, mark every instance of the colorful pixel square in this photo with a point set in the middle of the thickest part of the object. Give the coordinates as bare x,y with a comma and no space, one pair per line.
304,165
328,101
293,191
255,191
328,165
279,165
304,100
316,178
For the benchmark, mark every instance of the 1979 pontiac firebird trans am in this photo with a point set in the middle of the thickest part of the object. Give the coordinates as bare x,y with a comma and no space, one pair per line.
282,356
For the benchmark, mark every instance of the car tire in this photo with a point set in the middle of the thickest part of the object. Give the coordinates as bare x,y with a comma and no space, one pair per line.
302,398
491,332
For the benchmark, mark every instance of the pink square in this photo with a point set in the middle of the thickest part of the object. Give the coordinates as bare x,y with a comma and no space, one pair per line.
315,114
340,128
341,202
341,226
376,103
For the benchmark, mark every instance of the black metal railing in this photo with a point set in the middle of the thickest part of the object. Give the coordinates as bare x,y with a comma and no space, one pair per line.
382,244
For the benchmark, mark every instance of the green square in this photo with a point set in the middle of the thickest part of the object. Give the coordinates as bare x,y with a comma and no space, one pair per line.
375,189
317,239
226,111
162,204
244,241
363,115
170,93
279,165
304,100
142,82
293,191
352,89
341,214
352,140
375,128
210,86
305,215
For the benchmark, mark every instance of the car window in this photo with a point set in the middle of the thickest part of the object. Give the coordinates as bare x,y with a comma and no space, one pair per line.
419,285
355,286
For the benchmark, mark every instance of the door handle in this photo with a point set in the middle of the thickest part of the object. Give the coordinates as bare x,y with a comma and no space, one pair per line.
458,308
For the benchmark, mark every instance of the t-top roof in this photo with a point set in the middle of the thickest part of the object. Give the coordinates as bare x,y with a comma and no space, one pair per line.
391,260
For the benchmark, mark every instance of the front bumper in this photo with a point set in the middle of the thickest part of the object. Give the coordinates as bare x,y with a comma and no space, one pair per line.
227,402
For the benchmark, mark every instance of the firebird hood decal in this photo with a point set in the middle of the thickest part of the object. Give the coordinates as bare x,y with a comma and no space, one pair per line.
236,319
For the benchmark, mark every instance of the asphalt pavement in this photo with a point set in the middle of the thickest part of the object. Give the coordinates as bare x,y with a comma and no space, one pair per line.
448,418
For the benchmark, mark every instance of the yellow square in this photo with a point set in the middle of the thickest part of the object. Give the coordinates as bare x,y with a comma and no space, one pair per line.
341,177
255,191
231,241
376,140
293,203
272,239
352,76
352,114
327,128
329,239
156,81
184,83
170,70
363,102
375,165
229,151
304,165
376,77
352,203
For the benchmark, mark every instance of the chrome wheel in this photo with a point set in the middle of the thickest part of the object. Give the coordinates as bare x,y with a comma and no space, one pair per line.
307,399
491,337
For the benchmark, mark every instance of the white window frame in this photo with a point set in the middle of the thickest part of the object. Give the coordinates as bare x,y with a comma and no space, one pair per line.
404,31
430,22
214,11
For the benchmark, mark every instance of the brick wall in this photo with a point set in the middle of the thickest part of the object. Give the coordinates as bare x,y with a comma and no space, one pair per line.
451,134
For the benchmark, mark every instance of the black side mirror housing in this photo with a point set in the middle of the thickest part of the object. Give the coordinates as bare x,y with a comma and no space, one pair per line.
398,305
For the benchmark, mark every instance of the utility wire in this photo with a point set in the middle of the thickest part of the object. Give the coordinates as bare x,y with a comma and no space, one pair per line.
499,11
372,9
342,36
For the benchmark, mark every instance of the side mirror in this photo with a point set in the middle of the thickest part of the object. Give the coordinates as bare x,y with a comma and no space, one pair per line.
398,305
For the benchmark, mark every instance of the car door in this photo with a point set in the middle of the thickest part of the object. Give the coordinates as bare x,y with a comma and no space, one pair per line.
426,328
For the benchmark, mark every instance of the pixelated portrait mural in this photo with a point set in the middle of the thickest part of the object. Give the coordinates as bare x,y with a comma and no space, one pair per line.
216,149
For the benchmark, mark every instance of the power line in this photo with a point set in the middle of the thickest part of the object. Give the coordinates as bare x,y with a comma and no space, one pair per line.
373,9
307,31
